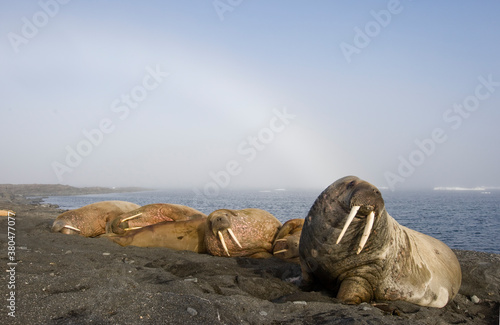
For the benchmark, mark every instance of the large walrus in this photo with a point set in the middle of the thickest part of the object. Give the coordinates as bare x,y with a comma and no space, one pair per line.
352,246
151,214
247,232
90,220
286,244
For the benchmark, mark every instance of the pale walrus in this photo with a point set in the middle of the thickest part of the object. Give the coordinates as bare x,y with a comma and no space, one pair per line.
352,246
151,214
188,235
247,232
7,213
286,244
90,220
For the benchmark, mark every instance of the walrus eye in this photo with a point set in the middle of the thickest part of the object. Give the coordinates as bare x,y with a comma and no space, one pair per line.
351,184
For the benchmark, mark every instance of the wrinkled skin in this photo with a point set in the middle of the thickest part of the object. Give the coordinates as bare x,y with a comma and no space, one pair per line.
151,214
396,263
286,244
255,230
91,219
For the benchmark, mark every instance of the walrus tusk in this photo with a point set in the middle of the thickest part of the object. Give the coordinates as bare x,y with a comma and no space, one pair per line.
230,231
366,233
223,242
281,251
132,228
281,239
351,216
72,228
132,217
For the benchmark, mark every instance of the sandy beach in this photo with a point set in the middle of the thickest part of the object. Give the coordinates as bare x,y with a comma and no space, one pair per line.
63,279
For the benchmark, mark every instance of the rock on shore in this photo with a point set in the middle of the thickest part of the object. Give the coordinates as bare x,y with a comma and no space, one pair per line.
61,279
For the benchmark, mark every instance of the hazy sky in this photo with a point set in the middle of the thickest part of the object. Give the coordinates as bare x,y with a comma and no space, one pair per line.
262,94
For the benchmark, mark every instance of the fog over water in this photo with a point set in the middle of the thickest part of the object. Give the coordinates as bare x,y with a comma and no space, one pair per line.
216,95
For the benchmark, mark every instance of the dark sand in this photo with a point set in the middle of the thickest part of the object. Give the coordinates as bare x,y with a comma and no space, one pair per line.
63,279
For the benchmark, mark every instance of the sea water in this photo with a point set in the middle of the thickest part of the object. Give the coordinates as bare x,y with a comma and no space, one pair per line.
467,220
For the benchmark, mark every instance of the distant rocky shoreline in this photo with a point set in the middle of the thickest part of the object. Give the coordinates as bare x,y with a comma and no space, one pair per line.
13,192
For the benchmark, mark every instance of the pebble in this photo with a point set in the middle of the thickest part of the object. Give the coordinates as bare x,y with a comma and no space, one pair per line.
364,306
300,302
68,252
263,313
195,280
106,254
475,299
192,311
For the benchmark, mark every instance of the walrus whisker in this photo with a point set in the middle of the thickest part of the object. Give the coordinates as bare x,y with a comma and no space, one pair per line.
230,231
72,228
351,216
223,242
281,251
366,233
132,217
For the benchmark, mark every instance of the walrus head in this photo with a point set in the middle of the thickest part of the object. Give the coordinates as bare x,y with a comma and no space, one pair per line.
359,199
286,244
120,225
219,222
65,227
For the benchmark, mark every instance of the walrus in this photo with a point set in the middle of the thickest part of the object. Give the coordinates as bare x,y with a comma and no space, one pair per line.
151,214
90,220
286,244
7,213
250,233
188,235
247,232
352,246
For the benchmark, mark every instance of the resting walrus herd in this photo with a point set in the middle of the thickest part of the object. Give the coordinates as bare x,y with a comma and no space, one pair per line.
347,244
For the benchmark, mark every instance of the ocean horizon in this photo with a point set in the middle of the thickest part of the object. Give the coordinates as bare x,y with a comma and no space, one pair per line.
467,219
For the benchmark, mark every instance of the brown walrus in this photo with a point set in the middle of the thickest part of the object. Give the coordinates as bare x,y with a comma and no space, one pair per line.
151,214
286,244
352,246
249,232
90,220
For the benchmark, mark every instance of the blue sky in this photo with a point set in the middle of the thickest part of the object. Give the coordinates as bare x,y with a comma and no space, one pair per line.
212,113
